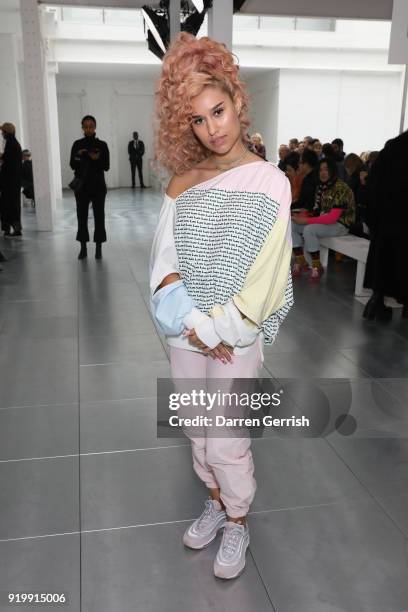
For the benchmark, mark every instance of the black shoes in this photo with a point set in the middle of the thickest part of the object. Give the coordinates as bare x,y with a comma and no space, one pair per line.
142,186
83,253
375,309
16,233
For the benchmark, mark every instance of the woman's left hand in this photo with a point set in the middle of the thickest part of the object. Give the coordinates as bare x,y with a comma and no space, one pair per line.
220,352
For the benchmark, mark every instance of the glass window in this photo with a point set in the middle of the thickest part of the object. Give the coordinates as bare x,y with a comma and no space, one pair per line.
82,15
123,17
245,22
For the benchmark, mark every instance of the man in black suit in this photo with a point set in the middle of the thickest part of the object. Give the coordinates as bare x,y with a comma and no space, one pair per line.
136,151
10,182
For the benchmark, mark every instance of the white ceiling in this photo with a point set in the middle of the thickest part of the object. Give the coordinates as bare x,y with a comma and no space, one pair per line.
124,71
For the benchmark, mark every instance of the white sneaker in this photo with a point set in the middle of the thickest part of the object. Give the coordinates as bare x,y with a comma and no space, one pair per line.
204,529
230,559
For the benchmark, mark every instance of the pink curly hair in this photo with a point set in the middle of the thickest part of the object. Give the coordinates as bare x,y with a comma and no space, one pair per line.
189,66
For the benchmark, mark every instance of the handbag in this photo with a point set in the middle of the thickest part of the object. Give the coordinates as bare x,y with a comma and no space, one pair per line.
76,184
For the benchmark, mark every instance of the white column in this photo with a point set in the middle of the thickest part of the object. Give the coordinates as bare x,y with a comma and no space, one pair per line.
54,128
398,52
220,21
174,17
35,85
10,98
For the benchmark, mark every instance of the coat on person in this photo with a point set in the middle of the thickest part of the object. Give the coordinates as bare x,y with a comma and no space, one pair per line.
387,218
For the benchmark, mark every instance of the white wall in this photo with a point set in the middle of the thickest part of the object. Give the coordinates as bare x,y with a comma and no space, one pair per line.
120,108
264,95
361,108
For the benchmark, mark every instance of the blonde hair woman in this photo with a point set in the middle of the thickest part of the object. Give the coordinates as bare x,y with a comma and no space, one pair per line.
258,146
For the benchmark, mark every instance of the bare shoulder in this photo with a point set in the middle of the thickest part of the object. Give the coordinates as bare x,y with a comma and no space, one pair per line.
181,182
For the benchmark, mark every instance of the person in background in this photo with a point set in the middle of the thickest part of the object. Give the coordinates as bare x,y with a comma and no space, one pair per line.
10,182
318,148
338,146
89,161
258,146
27,175
283,153
307,168
387,218
329,150
353,166
308,142
293,144
291,169
335,213
136,150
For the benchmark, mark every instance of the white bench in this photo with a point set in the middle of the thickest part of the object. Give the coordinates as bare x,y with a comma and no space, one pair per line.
352,246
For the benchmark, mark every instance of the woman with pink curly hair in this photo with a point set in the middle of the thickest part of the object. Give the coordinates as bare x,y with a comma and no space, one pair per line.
220,267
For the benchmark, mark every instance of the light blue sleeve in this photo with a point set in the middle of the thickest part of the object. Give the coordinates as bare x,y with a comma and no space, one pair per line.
170,304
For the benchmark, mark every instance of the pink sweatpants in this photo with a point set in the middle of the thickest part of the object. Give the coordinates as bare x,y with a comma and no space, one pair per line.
224,463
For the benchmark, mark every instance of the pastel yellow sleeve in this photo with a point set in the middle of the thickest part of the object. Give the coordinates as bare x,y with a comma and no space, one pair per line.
264,288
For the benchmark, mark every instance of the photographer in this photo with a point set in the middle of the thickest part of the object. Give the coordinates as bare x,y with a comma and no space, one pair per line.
89,160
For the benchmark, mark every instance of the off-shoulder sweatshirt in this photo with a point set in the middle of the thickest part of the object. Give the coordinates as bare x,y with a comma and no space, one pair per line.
229,238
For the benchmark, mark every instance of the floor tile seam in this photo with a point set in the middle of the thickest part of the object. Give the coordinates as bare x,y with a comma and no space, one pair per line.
261,579
51,405
368,490
156,524
91,454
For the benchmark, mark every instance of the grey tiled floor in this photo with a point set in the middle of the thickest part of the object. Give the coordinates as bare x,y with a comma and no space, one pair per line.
93,504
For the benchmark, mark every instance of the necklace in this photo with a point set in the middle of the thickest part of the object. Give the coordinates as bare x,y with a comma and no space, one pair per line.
219,166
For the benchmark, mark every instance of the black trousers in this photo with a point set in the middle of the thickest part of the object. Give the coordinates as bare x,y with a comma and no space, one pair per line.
83,199
10,204
137,163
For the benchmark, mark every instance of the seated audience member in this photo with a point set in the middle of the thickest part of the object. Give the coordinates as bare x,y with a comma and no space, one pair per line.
291,169
353,165
335,213
318,148
329,150
308,142
301,148
338,145
364,156
258,146
283,153
293,145
307,167
363,195
27,182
